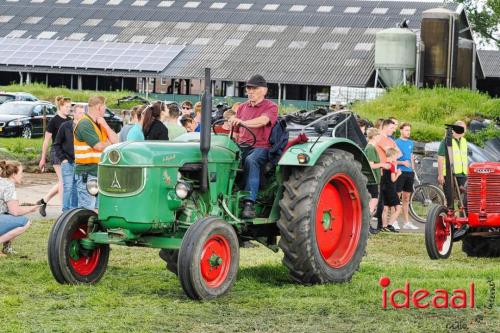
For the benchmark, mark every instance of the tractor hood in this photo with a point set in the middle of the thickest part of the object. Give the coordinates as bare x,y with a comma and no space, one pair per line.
186,149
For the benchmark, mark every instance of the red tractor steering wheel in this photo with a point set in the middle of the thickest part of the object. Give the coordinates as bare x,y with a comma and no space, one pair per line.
243,145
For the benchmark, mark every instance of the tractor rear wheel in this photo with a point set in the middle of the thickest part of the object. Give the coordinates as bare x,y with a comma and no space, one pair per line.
438,234
480,246
208,259
170,257
324,219
69,262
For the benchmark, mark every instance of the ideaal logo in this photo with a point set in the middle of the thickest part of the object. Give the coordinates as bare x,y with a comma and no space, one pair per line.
440,298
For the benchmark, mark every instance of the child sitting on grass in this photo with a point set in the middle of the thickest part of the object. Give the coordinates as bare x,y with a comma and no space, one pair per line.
12,221
392,204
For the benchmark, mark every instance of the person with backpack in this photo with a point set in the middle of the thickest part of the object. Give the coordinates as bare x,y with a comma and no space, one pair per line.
260,115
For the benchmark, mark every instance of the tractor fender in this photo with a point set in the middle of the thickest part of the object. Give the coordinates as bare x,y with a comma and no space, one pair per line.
289,158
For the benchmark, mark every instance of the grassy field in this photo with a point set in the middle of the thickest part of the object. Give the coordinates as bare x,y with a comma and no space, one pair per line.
27,151
49,94
138,295
429,109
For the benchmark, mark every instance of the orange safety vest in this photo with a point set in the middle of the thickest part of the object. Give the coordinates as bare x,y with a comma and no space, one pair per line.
84,154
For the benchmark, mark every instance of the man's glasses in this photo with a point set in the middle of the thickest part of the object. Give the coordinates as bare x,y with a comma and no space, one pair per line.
186,108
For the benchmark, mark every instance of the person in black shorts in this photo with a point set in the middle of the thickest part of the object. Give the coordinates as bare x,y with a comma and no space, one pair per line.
63,105
392,205
406,164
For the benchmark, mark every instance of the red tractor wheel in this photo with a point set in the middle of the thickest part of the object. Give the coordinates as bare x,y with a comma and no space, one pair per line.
438,233
324,219
208,259
68,260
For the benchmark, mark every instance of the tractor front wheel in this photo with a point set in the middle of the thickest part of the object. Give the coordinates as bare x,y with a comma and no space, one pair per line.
324,219
438,233
69,262
208,259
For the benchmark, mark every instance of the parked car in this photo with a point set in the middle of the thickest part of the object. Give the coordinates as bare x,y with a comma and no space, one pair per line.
16,96
115,122
25,119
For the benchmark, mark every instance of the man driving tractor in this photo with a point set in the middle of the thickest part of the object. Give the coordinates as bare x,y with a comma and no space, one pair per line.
259,114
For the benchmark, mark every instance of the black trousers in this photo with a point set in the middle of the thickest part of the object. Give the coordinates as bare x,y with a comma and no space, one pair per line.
461,180
380,209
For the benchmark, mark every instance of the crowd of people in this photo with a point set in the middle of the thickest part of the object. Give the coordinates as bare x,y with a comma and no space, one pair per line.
393,164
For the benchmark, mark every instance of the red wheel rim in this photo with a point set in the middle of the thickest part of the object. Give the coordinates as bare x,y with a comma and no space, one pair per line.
83,265
215,261
442,235
338,220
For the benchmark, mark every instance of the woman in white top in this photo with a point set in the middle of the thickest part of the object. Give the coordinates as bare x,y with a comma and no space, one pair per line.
12,221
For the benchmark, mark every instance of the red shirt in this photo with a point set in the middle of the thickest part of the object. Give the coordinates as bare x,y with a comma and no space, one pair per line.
219,129
247,112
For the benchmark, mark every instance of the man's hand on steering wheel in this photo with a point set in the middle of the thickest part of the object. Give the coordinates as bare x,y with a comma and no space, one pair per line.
231,121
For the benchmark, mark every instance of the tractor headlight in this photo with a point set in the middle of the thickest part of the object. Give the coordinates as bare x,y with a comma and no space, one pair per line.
114,156
183,189
92,187
303,158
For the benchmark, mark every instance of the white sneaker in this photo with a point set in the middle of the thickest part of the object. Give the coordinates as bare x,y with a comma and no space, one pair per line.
396,225
409,225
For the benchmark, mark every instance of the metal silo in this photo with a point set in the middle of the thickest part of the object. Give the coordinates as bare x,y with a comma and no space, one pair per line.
439,32
395,53
465,63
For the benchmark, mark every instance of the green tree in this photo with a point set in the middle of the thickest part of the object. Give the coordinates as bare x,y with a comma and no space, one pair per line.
484,17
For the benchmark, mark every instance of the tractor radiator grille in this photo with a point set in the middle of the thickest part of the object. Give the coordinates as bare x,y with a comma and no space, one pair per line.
489,196
120,181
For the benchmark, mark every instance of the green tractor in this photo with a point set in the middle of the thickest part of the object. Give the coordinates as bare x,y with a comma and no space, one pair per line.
182,197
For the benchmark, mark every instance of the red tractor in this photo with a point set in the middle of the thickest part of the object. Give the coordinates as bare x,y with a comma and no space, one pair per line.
476,223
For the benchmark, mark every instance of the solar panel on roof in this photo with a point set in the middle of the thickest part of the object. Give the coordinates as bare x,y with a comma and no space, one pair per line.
85,54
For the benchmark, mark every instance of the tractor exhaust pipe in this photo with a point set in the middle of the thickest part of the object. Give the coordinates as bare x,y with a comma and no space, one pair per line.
206,112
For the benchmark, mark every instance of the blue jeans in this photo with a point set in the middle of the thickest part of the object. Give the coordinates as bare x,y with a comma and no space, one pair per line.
10,222
70,195
85,199
254,160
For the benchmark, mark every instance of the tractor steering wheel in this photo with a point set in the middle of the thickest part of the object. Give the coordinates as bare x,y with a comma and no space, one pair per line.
243,145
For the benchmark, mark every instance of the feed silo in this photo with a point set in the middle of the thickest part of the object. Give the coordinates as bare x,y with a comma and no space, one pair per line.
465,63
439,32
395,53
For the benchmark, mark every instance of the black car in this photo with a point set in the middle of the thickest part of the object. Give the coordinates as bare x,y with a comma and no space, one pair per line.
115,122
16,96
26,119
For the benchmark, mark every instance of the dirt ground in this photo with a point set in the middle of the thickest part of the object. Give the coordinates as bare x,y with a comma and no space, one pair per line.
34,187
38,179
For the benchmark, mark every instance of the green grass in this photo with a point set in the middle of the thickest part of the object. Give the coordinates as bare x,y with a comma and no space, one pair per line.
138,295
49,94
429,109
27,151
